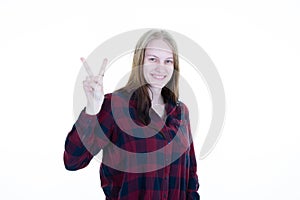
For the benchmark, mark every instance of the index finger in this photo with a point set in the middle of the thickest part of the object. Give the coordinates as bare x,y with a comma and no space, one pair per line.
102,69
87,67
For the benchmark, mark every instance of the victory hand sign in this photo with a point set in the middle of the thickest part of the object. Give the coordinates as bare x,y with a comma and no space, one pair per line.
93,88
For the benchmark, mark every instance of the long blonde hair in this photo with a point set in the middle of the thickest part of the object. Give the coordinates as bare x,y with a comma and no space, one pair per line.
137,81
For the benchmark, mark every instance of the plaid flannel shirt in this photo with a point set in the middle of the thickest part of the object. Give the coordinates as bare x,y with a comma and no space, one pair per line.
135,166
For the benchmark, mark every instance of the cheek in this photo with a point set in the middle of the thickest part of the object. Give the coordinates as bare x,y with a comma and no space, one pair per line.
170,71
146,72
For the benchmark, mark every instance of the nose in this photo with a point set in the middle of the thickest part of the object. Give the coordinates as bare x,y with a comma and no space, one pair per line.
159,68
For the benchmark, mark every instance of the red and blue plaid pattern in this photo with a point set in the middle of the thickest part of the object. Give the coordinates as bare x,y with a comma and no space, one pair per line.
134,166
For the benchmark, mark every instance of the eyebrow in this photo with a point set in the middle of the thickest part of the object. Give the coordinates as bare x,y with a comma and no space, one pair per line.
157,57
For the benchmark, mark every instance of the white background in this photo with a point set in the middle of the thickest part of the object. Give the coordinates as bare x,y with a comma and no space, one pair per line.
254,44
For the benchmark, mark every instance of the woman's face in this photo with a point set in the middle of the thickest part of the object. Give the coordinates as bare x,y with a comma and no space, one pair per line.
158,63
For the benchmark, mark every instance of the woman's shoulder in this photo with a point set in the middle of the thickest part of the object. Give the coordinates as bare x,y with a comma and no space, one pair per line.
119,94
183,109
182,105
116,98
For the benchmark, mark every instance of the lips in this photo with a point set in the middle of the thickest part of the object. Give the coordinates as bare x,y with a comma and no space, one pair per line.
158,77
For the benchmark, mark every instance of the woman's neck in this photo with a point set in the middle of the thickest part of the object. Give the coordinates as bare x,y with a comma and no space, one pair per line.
155,95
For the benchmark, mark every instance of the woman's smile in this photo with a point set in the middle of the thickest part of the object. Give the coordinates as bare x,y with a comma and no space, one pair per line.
158,77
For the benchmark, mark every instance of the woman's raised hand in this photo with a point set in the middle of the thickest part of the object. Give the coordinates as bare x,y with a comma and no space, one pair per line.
93,88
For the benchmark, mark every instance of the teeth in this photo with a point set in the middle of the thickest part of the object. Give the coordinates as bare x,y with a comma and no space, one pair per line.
157,76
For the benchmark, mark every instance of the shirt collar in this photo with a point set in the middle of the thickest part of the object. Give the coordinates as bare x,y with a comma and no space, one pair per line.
170,106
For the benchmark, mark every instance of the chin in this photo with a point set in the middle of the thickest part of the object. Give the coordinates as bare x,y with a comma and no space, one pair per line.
159,86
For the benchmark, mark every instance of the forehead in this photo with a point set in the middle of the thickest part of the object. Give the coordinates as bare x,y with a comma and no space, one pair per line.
158,47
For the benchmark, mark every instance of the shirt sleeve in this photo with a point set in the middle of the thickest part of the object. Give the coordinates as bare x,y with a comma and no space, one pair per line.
88,136
193,184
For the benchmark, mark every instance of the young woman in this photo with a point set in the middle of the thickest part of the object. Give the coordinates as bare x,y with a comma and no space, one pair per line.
152,158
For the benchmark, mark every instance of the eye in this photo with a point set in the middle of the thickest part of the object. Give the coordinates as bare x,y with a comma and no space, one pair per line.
169,61
152,59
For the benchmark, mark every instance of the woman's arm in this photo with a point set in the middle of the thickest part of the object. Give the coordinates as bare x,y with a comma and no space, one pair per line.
88,136
193,184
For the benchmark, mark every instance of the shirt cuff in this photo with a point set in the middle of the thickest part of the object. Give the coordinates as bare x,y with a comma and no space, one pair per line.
85,120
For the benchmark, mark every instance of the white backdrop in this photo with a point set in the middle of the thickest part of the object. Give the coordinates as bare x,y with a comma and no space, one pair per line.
254,44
